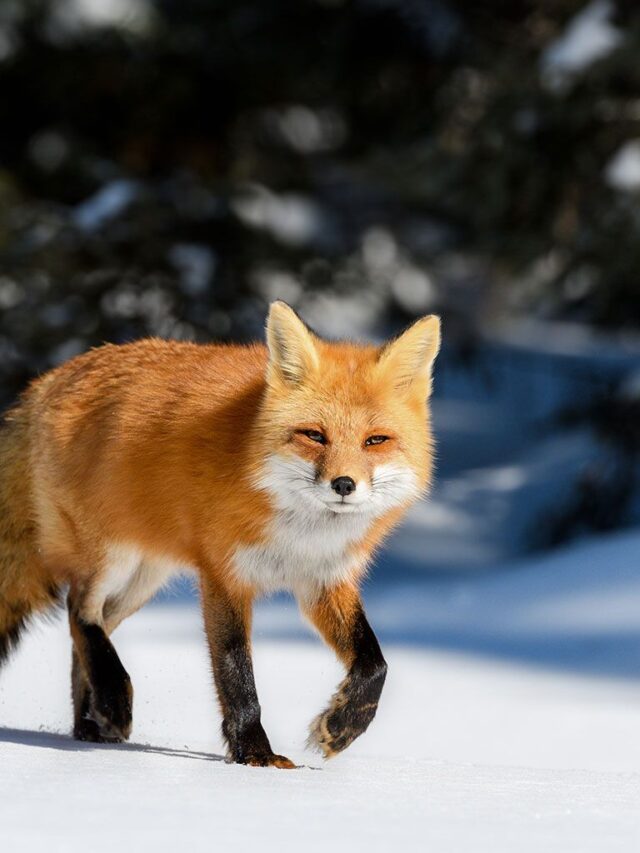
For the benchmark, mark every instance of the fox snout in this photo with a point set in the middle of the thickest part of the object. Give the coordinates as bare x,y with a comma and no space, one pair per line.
343,486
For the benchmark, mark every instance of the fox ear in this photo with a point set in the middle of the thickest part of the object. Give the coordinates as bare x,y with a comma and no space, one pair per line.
292,351
408,359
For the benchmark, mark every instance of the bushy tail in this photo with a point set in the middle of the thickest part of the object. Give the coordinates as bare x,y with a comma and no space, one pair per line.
12,626
25,587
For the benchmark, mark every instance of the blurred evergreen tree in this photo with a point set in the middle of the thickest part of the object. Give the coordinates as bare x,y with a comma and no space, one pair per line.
419,153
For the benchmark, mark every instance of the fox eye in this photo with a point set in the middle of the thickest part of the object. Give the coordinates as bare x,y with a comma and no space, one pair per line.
376,439
314,435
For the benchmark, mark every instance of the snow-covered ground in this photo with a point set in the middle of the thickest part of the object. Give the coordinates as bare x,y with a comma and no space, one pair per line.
478,744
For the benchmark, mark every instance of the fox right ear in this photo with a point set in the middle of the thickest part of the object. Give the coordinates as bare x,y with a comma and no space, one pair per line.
408,360
292,351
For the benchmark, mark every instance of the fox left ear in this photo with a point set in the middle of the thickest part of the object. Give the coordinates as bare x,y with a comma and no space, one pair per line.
408,359
292,351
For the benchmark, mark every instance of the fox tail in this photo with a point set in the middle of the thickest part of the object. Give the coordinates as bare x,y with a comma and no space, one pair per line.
25,587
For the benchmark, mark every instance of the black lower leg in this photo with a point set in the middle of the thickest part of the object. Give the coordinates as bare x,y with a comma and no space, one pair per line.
341,620
102,690
84,728
80,696
360,691
227,632
241,726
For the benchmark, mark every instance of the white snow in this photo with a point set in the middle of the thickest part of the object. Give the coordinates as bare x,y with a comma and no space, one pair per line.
196,264
589,36
506,724
307,130
414,289
106,204
623,170
291,218
630,389
133,15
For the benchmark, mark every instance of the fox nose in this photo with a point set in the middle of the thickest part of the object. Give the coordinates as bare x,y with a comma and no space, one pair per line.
343,486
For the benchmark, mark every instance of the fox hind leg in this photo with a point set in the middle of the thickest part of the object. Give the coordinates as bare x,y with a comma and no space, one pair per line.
84,726
101,688
106,681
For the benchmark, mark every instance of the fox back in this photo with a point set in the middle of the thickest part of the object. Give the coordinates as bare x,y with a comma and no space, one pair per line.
186,453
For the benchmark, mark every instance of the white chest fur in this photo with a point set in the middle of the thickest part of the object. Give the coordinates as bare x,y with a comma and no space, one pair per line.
309,542
303,554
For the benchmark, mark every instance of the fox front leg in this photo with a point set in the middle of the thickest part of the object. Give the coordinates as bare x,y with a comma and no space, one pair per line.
227,622
339,617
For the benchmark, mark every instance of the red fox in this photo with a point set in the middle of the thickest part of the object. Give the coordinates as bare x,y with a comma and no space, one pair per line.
261,468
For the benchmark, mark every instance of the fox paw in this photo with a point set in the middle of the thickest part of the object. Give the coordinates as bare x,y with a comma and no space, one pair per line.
112,712
337,727
268,760
89,731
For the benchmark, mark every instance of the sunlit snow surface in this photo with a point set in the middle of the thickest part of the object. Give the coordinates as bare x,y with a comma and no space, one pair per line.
474,747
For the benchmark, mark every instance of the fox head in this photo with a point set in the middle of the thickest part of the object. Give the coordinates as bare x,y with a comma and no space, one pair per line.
346,427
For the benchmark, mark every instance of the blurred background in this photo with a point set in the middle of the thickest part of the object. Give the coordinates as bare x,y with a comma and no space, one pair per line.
169,167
